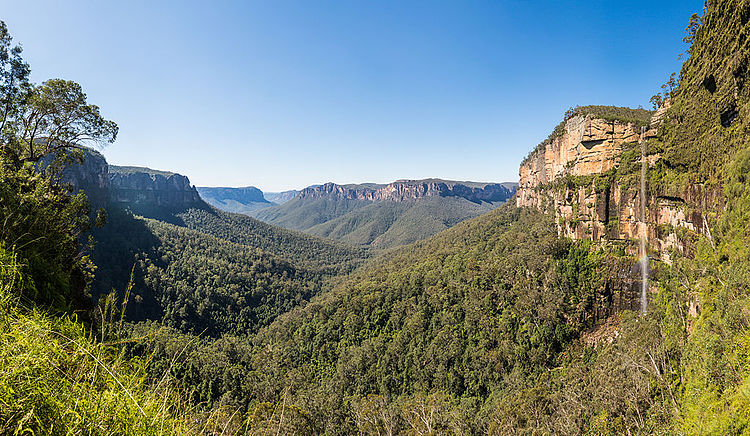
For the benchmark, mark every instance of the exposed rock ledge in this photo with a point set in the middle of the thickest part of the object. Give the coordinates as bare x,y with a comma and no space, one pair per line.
611,210
401,190
143,186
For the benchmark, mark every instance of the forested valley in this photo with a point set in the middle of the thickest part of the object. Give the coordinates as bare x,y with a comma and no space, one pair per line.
146,319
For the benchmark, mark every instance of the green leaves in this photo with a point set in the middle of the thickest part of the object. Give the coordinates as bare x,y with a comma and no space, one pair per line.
57,117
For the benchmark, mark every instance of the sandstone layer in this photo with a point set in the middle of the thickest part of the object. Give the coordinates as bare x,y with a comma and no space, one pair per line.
401,190
151,188
575,177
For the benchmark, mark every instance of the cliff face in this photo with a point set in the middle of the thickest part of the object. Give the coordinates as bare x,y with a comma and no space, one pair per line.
90,176
589,178
144,187
401,190
587,146
248,194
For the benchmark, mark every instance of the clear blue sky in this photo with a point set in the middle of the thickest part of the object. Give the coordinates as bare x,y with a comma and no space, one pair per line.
283,94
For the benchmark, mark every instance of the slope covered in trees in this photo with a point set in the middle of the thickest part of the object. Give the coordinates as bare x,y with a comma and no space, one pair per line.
312,252
455,323
494,326
387,224
386,216
209,272
498,326
196,282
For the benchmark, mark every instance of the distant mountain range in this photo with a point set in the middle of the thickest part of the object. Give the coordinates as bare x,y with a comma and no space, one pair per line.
243,200
238,200
280,197
386,215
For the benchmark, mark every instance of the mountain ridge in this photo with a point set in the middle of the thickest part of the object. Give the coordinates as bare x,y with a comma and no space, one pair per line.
403,189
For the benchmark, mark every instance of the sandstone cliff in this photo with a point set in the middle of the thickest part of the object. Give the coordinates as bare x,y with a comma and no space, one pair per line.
146,187
586,146
588,177
90,176
401,190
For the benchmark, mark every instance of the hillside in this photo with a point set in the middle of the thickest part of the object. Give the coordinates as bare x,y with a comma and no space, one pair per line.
385,216
201,270
526,319
384,224
477,312
196,282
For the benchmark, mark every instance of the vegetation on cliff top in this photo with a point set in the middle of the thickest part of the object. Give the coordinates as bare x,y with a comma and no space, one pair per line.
639,117
494,326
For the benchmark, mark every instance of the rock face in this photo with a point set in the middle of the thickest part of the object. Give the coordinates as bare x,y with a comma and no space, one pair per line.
401,190
239,200
146,187
587,146
90,176
577,177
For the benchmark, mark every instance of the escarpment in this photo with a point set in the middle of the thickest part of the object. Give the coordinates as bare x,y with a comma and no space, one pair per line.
587,174
90,175
401,190
145,187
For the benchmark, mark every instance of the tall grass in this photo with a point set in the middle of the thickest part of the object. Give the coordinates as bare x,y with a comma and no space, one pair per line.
57,378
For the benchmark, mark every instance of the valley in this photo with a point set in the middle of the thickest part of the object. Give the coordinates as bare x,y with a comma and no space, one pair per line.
378,216
606,292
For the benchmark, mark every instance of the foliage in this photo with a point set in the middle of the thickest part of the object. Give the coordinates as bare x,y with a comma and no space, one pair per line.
706,123
14,85
445,324
43,222
56,379
196,282
57,117
322,255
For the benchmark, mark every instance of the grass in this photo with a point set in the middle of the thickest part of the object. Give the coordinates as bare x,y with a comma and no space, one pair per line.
57,378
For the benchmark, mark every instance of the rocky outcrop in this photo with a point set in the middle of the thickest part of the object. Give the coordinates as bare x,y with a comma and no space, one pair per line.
106,184
575,177
145,187
401,190
90,176
586,146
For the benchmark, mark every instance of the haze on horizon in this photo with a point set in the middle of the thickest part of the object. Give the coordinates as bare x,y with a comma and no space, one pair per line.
281,95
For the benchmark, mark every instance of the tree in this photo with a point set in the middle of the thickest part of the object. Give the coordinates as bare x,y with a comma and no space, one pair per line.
14,84
692,28
40,219
38,120
57,117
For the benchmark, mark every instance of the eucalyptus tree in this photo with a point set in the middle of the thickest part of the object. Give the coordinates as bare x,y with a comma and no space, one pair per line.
39,120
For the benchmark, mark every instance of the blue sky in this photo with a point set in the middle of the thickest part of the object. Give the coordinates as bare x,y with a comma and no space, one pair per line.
283,94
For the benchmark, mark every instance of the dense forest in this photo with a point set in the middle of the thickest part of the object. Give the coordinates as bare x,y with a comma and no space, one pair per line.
455,325
198,321
374,224
194,281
